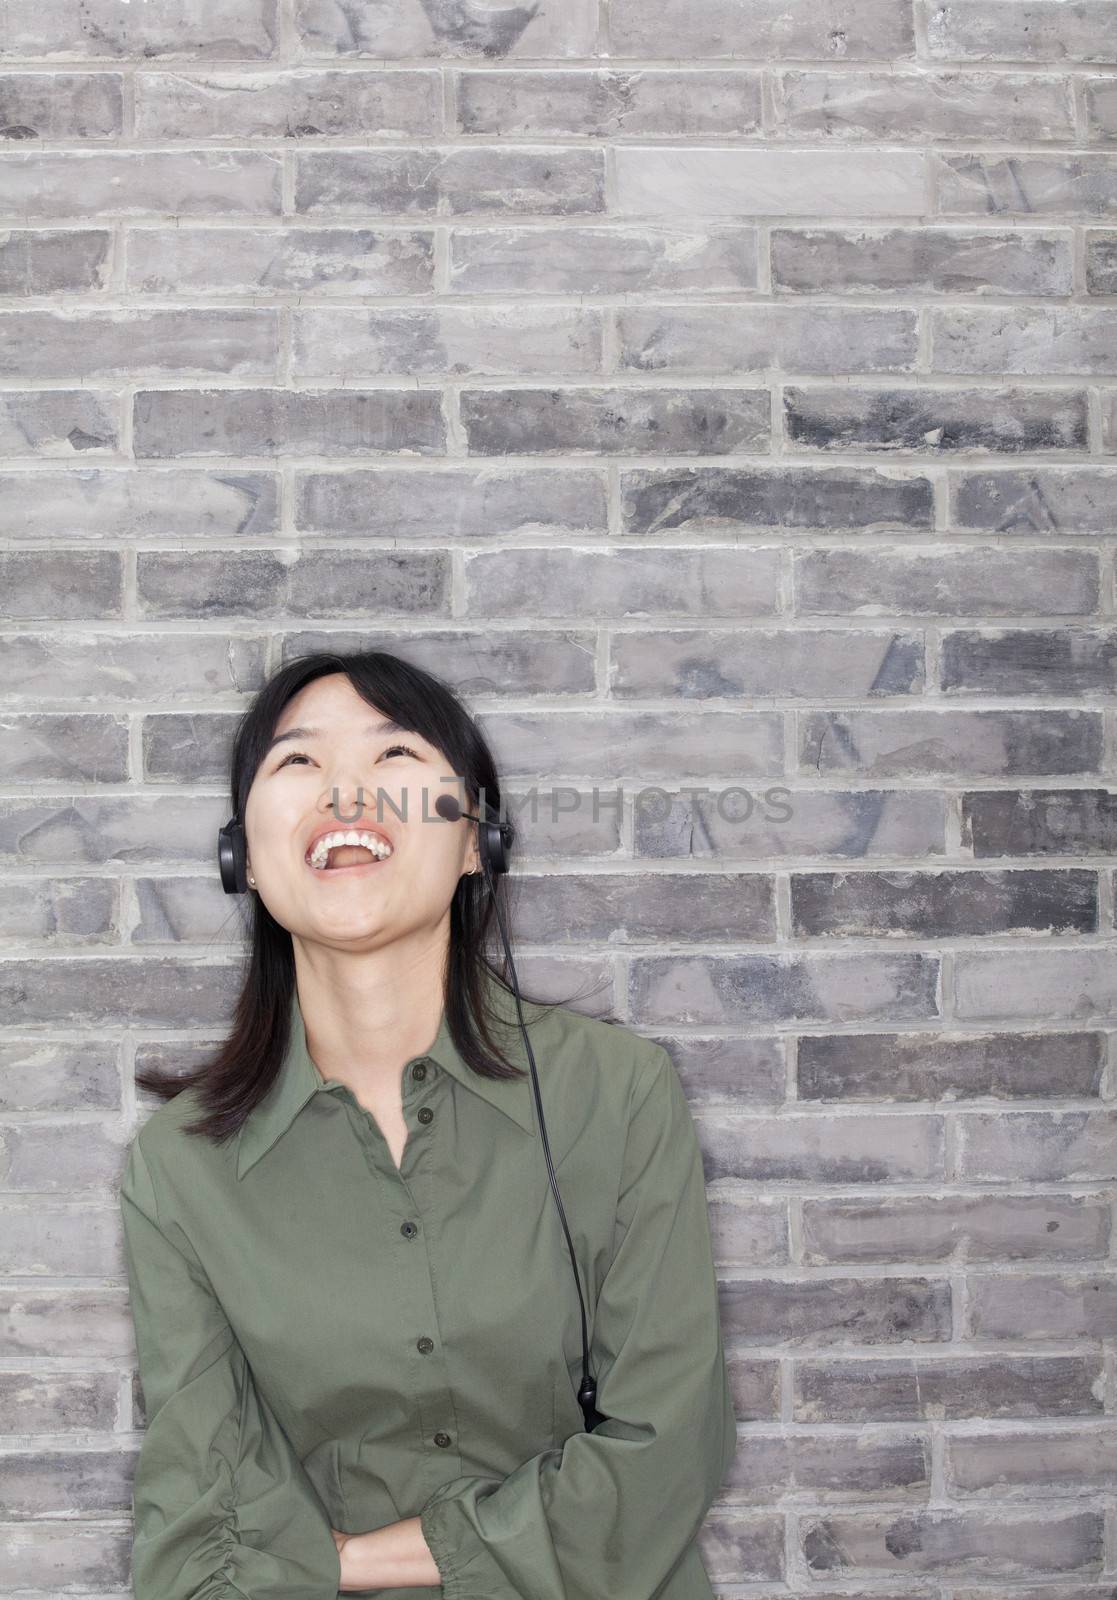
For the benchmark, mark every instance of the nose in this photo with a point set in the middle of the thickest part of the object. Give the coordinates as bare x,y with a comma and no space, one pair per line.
348,802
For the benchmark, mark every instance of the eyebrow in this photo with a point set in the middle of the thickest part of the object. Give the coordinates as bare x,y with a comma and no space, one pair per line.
316,733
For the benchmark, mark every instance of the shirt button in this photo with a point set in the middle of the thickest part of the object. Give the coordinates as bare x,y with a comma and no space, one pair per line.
425,1345
408,1229
425,1114
419,1070
442,1439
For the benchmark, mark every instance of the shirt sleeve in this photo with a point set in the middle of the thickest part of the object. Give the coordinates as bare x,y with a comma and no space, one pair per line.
222,1507
612,1513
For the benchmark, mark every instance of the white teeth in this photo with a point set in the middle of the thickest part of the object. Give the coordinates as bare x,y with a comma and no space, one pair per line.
319,856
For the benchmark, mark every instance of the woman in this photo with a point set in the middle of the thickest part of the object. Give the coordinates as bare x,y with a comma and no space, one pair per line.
357,1330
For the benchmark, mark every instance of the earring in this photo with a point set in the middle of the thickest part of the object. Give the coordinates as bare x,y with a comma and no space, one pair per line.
252,880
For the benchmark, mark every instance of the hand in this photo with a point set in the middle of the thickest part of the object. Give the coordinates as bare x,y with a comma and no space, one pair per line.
393,1557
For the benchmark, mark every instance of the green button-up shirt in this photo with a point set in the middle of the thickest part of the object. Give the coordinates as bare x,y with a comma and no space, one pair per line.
325,1340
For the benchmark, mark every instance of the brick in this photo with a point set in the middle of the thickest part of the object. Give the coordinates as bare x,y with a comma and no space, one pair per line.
1034,339
1038,1146
236,260
96,1482
232,29
918,742
1029,661
59,747
61,105
133,183
987,1464
958,1228
823,1149
949,1066
943,1388
994,1543
58,422
581,744
930,421
1040,822
64,1402
765,821
391,28
820,1312
1068,984
273,422
1033,30
729,1071
696,663
925,105
1043,1305
806,499
178,503
54,260
698,339
1077,500
603,258
43,1157
1083,186
490,502
942,580
943,904
628,420
287,104
184,910
78,1076
623,907
447,342
830,1467
139,344
555,662
657,181
927,260
116,992
126,665
1101,261
1100,100
61,914
61,584
1109,423
858,29
421,180
607,102
269,584
62,1238
812,987
622,583
737,1544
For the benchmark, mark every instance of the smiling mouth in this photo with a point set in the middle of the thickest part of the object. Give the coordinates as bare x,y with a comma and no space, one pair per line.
353,851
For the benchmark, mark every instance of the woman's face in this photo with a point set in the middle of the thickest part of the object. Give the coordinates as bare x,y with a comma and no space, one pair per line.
292,800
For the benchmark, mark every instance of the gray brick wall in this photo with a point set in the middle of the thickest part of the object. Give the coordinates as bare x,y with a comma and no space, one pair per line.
724,394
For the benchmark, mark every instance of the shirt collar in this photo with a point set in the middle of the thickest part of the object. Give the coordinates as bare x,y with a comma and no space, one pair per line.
299,1078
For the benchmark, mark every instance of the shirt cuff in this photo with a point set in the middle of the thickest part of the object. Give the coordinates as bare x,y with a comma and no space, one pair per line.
473,1576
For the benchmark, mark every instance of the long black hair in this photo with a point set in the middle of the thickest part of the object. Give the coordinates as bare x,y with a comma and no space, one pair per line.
231,1083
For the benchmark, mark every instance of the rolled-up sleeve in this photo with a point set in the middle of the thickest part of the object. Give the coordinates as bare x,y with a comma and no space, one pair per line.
611,1514
222,1507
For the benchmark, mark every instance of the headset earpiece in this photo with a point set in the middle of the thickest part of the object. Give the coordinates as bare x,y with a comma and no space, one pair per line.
232,857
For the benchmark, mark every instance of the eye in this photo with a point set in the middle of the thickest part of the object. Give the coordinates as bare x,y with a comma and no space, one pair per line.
300,755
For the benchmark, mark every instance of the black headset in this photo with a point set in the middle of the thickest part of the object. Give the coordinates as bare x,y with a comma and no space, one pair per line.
493,848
